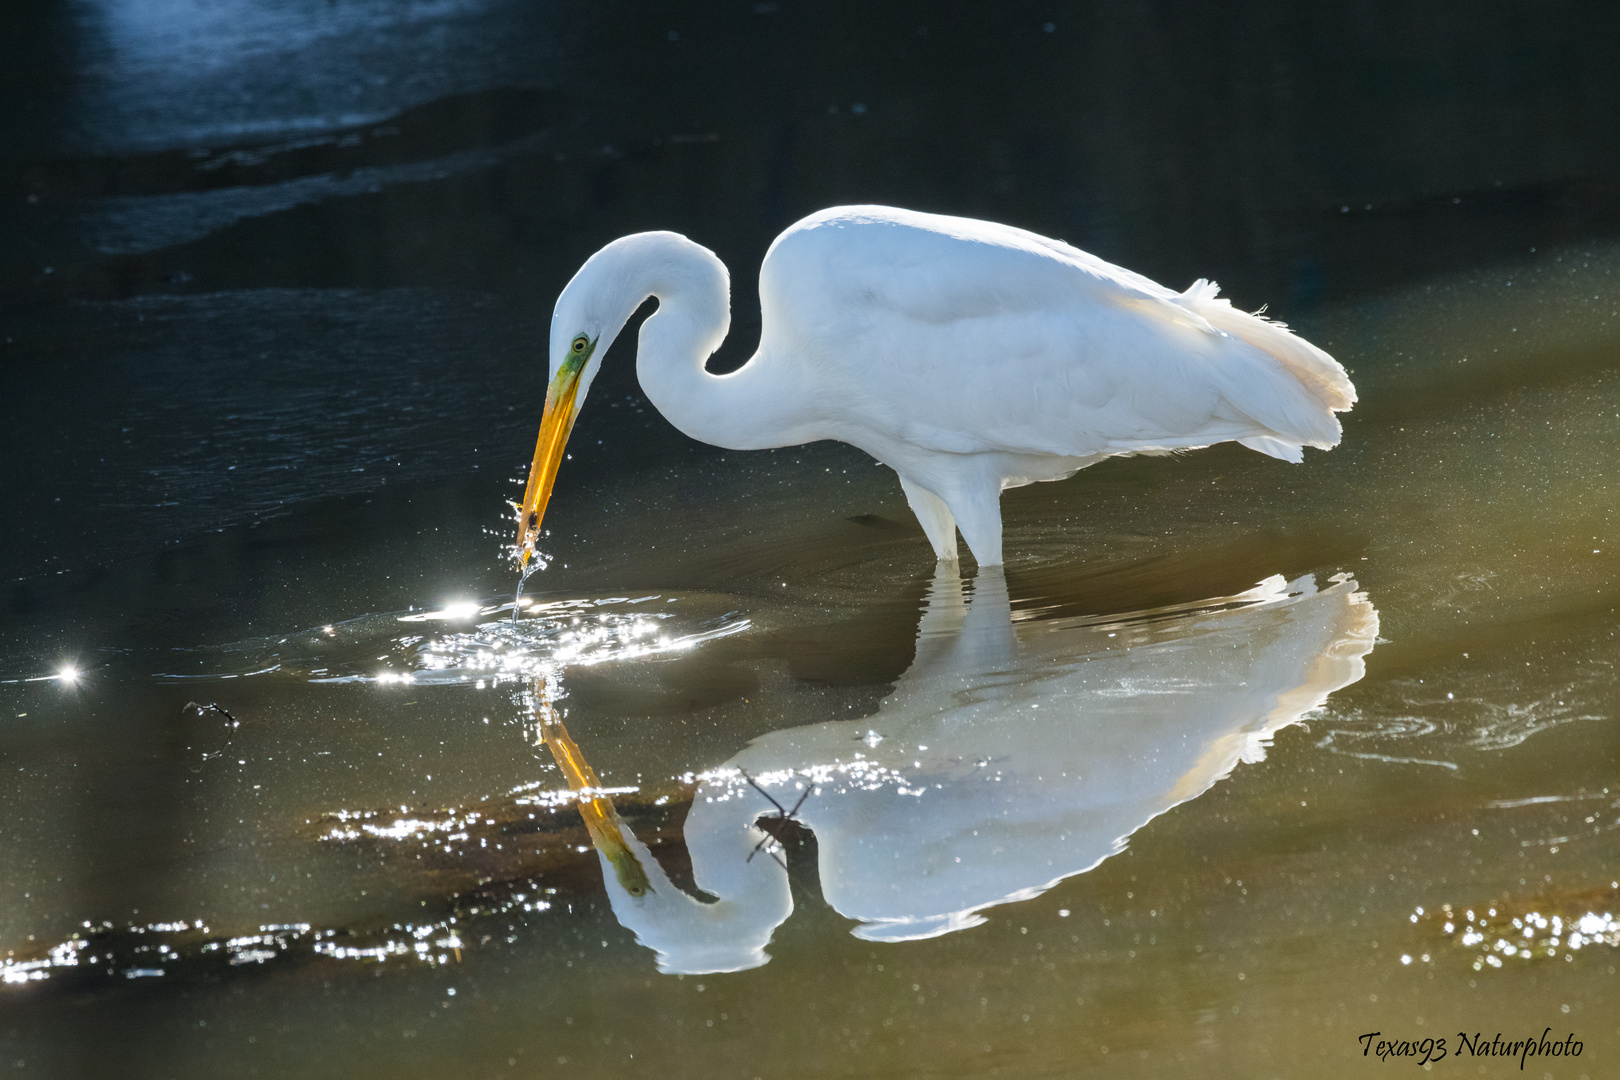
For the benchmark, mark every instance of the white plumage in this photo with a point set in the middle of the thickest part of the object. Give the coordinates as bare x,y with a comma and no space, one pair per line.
970,357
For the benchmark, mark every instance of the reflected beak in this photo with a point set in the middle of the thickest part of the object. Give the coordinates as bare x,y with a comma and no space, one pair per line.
555,425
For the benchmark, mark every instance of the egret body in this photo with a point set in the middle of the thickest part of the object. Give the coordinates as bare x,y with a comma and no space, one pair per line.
969,357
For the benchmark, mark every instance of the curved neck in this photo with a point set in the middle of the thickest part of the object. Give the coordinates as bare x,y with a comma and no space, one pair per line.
695,937
764,403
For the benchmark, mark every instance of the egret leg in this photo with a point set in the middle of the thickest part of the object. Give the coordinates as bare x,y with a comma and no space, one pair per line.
935,518
978,515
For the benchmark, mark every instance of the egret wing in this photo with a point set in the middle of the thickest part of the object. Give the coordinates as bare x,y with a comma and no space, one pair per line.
965,336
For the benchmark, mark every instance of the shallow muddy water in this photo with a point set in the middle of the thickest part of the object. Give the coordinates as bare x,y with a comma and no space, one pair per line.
1235,763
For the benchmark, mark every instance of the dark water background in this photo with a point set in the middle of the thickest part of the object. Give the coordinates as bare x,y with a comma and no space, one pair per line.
274,285
207,153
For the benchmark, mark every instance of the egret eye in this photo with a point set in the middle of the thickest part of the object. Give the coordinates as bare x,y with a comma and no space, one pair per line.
581,343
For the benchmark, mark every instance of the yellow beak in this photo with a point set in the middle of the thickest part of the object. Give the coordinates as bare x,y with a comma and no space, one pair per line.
555,424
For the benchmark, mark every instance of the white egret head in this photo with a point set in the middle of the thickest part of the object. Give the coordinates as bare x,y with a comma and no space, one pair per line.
590,313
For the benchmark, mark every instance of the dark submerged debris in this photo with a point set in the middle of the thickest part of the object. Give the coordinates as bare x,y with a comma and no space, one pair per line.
466,878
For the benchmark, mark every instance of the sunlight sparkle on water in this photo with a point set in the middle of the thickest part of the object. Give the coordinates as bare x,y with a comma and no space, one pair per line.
1531,934
455,611
550,636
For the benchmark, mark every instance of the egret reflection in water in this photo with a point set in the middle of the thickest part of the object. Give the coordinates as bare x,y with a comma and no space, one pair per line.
1011,755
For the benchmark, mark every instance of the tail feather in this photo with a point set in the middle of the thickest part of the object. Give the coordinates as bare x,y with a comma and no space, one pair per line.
1277,448
1326,386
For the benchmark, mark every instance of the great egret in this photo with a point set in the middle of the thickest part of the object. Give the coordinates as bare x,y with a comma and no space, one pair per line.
969,357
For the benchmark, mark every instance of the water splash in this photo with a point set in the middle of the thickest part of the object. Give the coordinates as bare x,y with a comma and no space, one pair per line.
528,559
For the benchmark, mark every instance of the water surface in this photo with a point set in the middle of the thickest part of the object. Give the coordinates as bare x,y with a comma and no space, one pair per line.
1235,762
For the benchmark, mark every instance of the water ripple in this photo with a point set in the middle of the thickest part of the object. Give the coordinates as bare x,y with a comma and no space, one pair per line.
548,637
